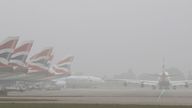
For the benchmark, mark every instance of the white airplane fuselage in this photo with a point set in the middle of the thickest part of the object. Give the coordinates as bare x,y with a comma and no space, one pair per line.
82,81
164,81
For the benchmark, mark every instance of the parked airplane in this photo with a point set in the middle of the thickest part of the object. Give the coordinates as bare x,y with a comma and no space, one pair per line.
80,82
15,71
163,81
32,71
39,73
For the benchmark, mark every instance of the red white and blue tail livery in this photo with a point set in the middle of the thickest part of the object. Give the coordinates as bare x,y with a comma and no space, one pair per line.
6,49
20,54
40,62
63,67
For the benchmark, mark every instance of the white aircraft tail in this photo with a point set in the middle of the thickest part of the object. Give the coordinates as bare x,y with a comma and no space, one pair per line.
20,54
41,61
6,49
63,67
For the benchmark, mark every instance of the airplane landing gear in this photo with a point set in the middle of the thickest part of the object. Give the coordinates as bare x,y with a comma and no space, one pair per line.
142,85
174,87
3,92
154,87
186,85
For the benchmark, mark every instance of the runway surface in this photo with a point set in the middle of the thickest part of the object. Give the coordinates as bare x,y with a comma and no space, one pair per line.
103,96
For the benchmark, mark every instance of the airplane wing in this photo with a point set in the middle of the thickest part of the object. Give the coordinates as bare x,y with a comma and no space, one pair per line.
185,83
141,83
148,83
124,80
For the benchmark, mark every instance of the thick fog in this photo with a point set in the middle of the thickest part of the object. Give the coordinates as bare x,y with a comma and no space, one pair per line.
105,36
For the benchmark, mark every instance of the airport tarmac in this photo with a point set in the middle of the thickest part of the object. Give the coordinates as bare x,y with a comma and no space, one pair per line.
103,96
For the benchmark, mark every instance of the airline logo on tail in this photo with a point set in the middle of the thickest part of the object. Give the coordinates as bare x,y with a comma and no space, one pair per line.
6,49
41,61
63,67
20,54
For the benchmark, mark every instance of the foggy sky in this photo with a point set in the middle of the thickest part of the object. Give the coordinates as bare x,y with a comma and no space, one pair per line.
105,36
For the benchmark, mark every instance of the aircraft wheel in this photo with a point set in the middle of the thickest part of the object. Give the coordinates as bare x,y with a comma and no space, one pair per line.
174,87
3,92
142,85
187,86
160,87
154,87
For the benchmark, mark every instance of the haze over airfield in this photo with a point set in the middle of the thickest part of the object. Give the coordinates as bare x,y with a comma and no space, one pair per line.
105,36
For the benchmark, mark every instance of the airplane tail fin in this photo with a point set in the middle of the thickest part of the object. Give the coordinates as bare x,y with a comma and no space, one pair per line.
6,49
20,54
40,62
63,67
163,65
